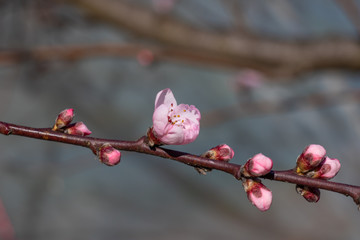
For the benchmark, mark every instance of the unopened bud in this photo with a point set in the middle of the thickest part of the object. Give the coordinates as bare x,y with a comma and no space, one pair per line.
64,118
310,158
221,152
259,195
109,155
256,166
327,169
145,57
79,129
310,194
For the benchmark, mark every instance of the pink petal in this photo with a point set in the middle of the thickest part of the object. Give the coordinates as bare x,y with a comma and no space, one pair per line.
165,97
160,120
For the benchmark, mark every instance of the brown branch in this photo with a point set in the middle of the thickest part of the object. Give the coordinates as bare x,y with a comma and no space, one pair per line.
275,58
142,146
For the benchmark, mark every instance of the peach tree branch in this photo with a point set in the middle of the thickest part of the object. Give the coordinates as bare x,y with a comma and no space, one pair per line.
272,57
142,146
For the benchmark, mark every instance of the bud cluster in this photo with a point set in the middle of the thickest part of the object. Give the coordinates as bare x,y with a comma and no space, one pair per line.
63,124
258,194
314,163
106,153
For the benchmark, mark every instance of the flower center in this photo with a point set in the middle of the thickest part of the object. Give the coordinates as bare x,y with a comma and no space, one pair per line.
175,117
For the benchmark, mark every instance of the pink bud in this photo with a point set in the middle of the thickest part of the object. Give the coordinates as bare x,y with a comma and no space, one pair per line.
64,118
221,153
258,165
145,57
310,194
327,169
109,155
79,129
310,158
259,195
173,124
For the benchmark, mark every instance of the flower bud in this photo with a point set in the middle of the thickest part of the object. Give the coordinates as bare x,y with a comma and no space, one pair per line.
109,155
327,169
310,194
310,158
259,195
145,57
79,129
221,152
64,118
258,165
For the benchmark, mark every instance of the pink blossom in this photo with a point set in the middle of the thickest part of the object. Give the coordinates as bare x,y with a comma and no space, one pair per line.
173,124
79,129
310,158
259,195
258,165
64,118
109,155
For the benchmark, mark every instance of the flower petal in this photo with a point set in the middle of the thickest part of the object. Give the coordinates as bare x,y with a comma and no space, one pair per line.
173,135
165,97
160,120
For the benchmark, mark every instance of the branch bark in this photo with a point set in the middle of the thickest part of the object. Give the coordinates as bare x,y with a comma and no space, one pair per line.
142,146
275,58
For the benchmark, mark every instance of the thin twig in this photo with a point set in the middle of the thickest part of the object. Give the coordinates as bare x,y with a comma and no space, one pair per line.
142,146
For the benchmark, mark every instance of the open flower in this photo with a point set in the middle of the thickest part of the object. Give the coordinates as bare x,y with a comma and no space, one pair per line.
173,124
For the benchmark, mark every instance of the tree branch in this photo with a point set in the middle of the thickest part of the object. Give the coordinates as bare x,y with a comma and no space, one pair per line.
142,146
275,58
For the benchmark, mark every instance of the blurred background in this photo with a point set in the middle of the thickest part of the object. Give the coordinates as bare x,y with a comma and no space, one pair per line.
267,76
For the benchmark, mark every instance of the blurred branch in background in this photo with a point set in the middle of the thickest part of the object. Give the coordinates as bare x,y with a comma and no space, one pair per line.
273,57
